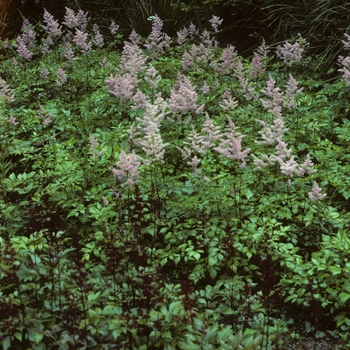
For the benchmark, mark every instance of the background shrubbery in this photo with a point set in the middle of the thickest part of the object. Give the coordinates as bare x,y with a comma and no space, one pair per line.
171,194
320,22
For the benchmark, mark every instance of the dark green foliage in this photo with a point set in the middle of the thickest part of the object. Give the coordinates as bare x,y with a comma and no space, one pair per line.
231,257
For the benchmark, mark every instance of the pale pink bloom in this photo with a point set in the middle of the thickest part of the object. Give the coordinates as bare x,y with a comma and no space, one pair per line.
128,168
207,40
274,95
80,39
271,133
44,73
289,167
306,167
182,36
230,146
152,77
28,35
122,87
157,40
93,143
183,96
291,91
68,52
343,61
140,100
134,37
210,133
82,20
346,75
133,59
97,39
187,61
259,163
12,120
104,62
194,141
281,150
70,19
194,163
61,76
347,42
52,28
315,194
248,90
5,92
290,53
192,30
256,66
23,52
263,49
228,102
46,46
45,116
215,23
113,28
229,60
206,88
153,145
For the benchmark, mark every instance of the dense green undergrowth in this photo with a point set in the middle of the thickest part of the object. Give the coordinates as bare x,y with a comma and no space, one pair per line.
170,196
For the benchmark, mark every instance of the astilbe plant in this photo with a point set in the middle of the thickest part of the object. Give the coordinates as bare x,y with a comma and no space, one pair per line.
174,204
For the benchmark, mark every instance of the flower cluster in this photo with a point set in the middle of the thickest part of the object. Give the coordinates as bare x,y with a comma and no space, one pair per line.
122,86
97,39
291,91
73,20
183,97
231,145
290,53
61,76
315,194
81,40
345,62
5,92
128,168
147,133
157,40
256,66
215,22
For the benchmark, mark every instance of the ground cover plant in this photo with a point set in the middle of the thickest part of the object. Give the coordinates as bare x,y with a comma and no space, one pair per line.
172,195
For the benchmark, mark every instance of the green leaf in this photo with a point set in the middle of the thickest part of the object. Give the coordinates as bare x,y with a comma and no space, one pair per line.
189,346
6,343
344,297
213,273
163,261
196,255
93,296
341,319
212,261
335,270
249,194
